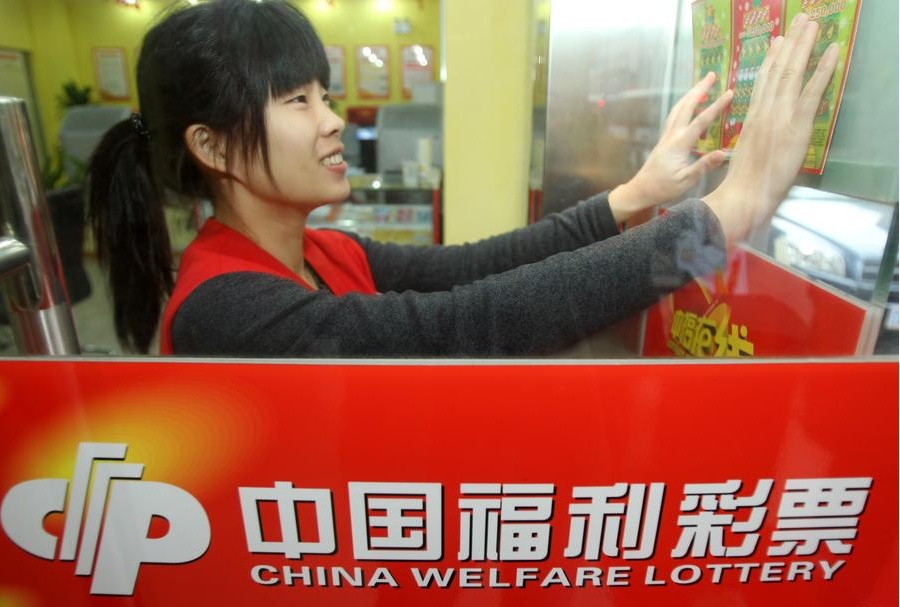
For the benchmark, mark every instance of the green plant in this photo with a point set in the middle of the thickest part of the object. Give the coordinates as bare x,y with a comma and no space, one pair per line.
78,171
52,171
60,170
73,94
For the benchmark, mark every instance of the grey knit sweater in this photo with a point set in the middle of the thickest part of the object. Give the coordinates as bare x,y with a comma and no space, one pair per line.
525,293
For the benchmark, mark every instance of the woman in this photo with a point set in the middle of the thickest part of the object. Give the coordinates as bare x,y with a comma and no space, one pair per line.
234,108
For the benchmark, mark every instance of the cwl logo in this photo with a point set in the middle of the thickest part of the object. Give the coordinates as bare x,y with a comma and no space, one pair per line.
107,519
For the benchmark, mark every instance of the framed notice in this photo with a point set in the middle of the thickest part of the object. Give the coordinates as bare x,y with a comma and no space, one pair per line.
373,71
417,63
111,71
337,62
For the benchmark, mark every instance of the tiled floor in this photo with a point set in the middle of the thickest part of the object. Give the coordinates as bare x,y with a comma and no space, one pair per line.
93,320
93,316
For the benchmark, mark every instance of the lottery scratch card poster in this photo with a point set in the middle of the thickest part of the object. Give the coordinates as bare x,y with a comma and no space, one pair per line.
712,45
837,23
755,24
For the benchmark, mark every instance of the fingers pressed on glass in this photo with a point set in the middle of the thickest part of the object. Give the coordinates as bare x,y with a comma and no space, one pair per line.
710,114
798,60
788,58
714,159
684,109
786,62
815,88
762,78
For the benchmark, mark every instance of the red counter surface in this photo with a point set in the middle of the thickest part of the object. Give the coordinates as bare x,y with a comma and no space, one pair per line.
698,483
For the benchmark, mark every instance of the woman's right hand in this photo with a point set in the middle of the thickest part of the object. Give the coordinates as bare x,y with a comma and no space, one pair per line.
671,168
775,136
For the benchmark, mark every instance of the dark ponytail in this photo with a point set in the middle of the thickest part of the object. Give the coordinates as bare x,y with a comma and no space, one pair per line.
132,241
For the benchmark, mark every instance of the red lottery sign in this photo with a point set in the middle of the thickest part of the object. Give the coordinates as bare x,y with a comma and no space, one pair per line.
193,483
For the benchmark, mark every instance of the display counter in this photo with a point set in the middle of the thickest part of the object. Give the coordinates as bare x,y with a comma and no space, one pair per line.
383,208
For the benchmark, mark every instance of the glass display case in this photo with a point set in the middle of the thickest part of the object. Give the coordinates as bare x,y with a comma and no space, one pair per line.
383,207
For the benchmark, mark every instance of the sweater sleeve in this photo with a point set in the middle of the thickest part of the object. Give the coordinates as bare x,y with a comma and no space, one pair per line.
437,268
529,310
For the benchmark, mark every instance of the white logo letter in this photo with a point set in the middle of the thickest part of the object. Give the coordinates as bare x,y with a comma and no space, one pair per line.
125,545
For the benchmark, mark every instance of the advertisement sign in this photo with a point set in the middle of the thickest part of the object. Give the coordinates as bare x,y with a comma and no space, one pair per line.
111,72
754,307
748,27
162,483
373,71
754,26
712,43
837,25
417,65
337,64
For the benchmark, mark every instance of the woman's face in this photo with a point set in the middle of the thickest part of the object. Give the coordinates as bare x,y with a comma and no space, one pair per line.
305,151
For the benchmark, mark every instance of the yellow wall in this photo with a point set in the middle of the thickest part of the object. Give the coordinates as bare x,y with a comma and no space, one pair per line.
54,61
107,25
350,23
487,95
60,35
487,119
50,47
12,34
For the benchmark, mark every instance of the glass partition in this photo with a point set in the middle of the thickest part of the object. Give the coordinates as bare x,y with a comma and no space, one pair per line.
614,75
605,78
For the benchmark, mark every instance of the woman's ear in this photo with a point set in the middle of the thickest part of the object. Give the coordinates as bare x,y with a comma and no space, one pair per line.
205,146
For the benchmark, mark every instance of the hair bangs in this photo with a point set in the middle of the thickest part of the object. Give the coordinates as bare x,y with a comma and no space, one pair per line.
281,52
292,52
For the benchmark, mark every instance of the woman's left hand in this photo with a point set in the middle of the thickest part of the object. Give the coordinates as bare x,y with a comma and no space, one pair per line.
671,169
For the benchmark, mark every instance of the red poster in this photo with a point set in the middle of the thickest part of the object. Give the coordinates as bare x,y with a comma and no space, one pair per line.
754,308
755,24
162,483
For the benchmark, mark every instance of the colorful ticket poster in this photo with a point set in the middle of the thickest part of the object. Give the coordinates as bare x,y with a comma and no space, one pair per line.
712,42
837,23
755,24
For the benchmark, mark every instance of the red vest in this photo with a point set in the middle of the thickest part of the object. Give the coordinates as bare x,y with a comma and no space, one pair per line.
338,260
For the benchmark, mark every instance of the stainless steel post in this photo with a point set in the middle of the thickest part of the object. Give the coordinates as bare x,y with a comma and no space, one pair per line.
30,273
